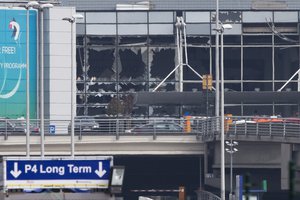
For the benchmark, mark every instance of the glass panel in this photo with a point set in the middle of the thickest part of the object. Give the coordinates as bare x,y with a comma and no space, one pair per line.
132,29
236,29
80,87
232,63
197,110
257,39
80,98
161,29
197,29
101,17
230,17
80,64
80,29
133,63
99,40
257,64
159,17
132,17
101,64
162,40
234,110
249,16
285,16
99,98
132,86
100,29
258,110
286,39
164,111
133,40
199,61
287,110
96,110
232,87
100,87
232,40
162,62
203,17
79,40
286,62
292,86
200,40
166,86
257,86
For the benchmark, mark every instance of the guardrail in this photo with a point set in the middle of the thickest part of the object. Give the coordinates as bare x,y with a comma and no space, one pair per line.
199,126
263,126
203,127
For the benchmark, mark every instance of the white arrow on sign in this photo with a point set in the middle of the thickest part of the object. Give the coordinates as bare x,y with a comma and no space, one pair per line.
15,172
100,171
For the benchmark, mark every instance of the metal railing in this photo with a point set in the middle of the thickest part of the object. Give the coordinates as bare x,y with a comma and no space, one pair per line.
263,126
198,126
202,127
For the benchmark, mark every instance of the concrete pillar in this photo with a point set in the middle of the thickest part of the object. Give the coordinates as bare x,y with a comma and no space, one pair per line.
286,156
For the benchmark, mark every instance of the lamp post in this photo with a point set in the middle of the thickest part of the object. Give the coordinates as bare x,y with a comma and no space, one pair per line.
231,150
220,29
29,5
72,20
41,8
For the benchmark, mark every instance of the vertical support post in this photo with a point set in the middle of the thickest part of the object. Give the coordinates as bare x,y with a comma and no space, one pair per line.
72,92
27,85
222,123
42,124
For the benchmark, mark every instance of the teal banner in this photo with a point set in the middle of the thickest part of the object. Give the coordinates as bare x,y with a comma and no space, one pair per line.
13,55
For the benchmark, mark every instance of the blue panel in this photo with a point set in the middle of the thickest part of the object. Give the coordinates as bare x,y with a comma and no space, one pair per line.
58,170
13,61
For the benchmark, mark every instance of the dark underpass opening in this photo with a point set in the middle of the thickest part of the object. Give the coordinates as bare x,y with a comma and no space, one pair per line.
160,175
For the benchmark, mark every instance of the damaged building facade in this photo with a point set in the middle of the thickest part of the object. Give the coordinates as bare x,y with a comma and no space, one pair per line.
125,48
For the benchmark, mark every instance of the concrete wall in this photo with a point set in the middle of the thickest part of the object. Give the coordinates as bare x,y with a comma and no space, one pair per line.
57,51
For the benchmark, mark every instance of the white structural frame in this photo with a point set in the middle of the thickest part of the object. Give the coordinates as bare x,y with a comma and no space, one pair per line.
72,21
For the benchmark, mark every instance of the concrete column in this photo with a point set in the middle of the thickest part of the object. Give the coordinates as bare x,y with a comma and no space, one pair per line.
286,156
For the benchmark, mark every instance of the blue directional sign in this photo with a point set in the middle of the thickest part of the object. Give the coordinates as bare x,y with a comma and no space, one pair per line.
58,173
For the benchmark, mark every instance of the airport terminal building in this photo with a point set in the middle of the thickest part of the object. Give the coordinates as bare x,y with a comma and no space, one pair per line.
126,47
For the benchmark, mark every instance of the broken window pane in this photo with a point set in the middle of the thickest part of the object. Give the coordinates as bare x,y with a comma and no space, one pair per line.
162,62
198,40
133,41
230,17
80,64
99,40
96,110
101,64
166,86
101,87
133,63
80,87
98,98
132,86
162,40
